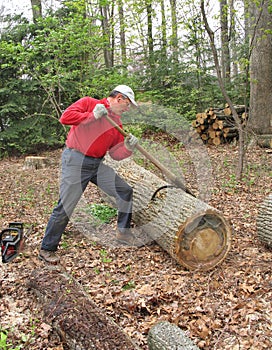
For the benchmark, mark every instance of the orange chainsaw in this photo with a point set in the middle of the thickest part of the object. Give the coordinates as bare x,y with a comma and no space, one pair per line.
11,241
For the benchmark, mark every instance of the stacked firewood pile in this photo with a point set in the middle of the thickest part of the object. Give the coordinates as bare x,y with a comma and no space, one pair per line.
216,125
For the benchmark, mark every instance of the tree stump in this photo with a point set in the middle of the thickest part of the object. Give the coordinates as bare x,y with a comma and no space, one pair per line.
192,232
32,162
264,222
167,336
75,317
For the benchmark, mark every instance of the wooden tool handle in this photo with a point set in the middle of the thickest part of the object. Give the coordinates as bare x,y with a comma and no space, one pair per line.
155,161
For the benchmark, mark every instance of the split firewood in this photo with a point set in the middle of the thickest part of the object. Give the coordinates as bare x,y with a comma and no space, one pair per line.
216,126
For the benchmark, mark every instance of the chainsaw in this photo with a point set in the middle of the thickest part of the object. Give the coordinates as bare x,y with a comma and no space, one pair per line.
11,241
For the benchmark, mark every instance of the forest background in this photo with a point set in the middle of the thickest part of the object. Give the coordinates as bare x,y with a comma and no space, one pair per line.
180,57
65,50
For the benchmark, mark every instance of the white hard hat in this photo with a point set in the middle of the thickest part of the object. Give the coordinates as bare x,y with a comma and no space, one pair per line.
126,91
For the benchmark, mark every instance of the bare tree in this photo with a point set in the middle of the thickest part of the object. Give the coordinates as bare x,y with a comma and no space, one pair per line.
225,56
122,32
174,36
225,94
150,31
163,31
108,34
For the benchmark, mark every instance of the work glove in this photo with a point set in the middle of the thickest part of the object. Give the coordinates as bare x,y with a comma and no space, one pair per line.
99,111
131,142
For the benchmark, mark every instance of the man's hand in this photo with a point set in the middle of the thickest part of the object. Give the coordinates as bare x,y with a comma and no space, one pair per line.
131,142
99,111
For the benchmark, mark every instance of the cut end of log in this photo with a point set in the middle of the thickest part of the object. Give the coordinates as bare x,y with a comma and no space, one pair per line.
203,241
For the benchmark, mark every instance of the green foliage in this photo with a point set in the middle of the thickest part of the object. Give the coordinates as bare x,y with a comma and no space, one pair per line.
104,256
47,65
30,135
103,212
128,286
4,344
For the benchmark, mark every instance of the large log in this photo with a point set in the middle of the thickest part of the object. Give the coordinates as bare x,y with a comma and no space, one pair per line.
264,222
167,336
76,318
264,140
195,234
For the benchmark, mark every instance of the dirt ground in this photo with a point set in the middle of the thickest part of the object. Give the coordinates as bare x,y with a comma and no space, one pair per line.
228,307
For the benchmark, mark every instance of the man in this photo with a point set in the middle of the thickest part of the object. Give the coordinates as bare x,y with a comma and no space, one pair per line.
92,136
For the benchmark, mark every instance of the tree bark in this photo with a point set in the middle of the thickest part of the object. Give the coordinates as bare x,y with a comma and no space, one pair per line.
174,29
122,32
36,6
260,120
265,140
75,317
264,222
192,232
107,34
225,56
167,336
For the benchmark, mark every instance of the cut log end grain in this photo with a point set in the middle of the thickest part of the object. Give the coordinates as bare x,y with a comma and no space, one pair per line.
203,241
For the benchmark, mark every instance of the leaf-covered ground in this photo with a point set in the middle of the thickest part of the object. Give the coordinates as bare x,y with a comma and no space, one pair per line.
228,307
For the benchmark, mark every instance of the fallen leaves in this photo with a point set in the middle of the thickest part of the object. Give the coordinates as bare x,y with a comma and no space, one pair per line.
229,307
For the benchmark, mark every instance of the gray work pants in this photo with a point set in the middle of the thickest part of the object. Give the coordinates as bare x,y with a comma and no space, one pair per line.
77,171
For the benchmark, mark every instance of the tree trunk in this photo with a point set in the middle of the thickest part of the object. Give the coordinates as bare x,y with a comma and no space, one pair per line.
150,40
192,232
167,336
225,56
174,34
107,31
264,222
163,32
122,32
265,140
36,6
260,120
75,317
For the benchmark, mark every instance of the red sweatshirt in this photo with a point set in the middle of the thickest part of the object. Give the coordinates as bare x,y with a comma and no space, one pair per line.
93,137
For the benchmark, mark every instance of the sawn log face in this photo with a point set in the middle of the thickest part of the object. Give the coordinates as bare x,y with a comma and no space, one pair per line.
192,232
